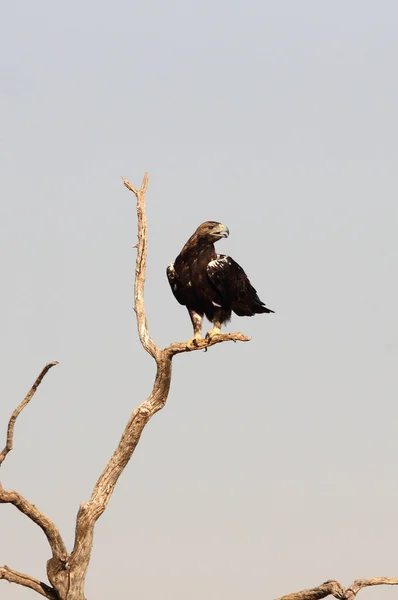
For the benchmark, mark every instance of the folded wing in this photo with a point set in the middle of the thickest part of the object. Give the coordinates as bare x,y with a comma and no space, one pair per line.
234,287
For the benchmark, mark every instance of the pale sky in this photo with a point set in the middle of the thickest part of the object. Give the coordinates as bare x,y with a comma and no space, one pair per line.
273,466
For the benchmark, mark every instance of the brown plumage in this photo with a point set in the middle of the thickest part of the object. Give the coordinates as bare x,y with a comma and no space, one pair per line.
211,284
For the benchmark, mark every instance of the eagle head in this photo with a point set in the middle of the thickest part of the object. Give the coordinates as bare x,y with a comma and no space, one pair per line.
212,231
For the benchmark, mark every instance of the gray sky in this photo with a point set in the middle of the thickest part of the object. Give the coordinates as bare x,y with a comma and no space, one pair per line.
273,465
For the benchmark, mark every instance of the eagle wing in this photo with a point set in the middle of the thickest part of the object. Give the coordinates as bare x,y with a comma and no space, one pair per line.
172,277
180,285
234,287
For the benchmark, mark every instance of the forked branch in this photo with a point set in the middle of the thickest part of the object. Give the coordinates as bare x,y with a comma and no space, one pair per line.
59,552
90,511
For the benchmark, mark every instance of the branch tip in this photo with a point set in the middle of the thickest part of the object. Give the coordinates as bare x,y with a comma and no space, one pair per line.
11,424
129,186
144,183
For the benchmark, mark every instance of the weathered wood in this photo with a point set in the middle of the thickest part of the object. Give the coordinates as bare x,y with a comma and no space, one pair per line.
334,588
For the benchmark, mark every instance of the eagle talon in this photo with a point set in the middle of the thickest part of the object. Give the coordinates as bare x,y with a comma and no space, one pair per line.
192,343
213,332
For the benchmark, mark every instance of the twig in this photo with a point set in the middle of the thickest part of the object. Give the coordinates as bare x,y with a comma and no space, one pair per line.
20,407
28,581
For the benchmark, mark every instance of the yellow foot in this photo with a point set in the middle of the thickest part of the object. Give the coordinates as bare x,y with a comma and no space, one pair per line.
193,343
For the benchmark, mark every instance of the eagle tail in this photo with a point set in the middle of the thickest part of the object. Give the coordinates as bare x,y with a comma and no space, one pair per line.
259,307
264,309
244,310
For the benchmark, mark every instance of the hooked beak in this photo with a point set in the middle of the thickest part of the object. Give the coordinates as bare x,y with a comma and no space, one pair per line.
224,232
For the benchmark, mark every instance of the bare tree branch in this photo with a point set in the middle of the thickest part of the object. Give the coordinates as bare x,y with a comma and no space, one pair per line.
140,268
20,407
203,344
90,511
28,581
334,588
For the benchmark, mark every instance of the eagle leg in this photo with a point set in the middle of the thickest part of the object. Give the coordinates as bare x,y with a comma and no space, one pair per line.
216,329
196,320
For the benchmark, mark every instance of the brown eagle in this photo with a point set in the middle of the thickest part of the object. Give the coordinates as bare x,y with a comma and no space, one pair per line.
211,284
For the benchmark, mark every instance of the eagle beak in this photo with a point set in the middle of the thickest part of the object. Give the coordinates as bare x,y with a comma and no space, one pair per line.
224,231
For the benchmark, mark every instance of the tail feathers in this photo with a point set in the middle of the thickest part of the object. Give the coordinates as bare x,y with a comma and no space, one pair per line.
248,311
259,307
264,309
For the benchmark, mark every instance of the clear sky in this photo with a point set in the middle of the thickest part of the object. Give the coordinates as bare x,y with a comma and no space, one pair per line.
273,466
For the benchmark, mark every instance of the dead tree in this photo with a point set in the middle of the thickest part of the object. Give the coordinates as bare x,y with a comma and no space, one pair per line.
66,571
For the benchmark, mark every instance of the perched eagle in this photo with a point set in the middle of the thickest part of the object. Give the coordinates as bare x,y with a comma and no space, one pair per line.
211,284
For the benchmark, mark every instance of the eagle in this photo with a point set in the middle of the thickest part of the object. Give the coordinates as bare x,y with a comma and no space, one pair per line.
211,284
